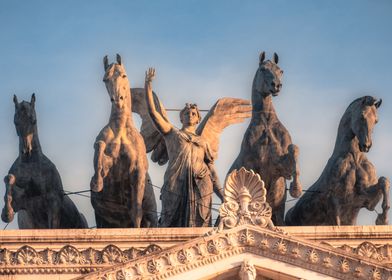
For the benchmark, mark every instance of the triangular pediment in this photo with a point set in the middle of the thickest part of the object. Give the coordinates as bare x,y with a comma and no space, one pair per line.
273,253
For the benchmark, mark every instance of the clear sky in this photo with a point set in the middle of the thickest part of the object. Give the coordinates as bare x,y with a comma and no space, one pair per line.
331,52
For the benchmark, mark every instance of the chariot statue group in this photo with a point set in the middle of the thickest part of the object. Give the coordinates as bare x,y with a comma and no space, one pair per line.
121,189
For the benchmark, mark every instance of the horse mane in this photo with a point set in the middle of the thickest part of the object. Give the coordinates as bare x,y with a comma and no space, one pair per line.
367,100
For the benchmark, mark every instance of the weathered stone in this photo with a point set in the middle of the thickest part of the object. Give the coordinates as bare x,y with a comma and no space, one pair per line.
266,147
190,178
122,191
369,244
245,201
33,184
348,182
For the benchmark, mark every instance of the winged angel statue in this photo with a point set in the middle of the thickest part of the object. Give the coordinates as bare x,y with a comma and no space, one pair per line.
190,178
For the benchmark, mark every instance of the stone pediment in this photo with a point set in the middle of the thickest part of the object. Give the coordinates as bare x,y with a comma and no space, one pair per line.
273,253
246,240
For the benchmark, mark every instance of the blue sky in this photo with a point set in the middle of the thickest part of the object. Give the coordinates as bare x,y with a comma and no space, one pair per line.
331,52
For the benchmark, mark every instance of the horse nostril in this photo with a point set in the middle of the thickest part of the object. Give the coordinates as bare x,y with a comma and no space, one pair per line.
273,84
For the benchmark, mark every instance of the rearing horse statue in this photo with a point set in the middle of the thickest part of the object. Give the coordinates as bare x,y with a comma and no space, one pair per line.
122,193
266,147
348,181
33,184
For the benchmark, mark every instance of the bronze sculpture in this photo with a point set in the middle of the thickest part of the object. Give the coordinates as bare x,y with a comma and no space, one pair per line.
266,147
348,181
190,177
122,192
33,184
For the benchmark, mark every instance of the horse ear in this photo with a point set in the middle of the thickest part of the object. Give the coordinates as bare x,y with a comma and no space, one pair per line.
15,99
118,57
105,62
275,58
261,57
378,103
32,100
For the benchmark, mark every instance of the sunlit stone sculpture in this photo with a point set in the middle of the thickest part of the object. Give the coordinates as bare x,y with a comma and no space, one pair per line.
33,184
348,182
122,192
247,271
190,178
245,201
266,147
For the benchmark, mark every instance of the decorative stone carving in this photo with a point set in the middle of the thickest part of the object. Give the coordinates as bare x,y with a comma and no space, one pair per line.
33,184
369,250
266,147
245,201
190,152
68,259
122,192
348,182
279,247
247,271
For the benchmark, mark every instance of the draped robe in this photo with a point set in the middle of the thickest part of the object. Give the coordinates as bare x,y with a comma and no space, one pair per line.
187,191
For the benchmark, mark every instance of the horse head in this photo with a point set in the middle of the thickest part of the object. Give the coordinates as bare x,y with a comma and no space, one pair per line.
268,77
117,83
363,119
26,124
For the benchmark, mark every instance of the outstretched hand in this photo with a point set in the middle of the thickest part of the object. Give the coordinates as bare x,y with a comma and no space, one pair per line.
150,74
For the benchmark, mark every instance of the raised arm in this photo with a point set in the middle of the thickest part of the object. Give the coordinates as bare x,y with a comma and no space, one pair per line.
161,124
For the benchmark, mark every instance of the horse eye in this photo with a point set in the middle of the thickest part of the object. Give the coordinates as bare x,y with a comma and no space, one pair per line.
112,99
124,76
281,71
121,97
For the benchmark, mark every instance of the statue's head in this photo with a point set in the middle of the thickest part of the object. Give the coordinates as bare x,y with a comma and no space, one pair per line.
363,119
247,271
25,122
190,115
117,83
268,77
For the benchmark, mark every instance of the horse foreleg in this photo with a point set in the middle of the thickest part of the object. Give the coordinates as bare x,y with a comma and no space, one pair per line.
96,183
383,183
293,167
7,214
137,197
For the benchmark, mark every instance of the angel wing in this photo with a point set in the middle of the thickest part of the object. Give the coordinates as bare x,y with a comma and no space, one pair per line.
152,138
225,112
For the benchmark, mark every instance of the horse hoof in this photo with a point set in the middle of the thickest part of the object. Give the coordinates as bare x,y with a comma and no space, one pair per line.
295,190
96,184
381,220
9,179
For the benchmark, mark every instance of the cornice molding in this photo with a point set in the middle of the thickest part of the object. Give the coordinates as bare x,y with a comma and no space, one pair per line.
202,251
27,260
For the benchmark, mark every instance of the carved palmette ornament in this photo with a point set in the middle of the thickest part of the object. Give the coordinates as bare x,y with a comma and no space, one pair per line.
245,201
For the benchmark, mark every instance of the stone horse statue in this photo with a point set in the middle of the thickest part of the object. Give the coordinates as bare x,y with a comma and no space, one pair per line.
266,147
348,182
33,184
122,192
